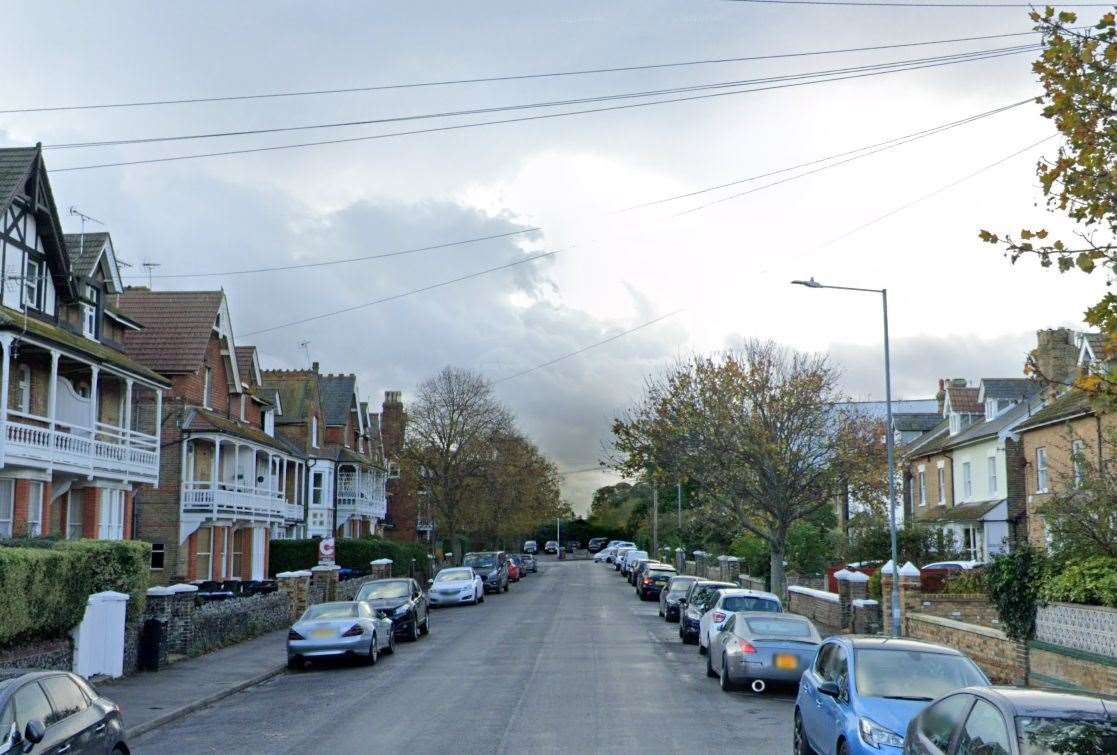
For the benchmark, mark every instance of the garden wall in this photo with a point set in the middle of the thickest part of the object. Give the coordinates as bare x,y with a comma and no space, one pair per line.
1003,660
823,608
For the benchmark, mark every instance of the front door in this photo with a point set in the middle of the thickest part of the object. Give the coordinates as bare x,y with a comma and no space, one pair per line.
258,545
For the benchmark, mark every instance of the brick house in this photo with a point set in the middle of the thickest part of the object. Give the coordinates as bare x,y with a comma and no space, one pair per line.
81,416
227,483
360,476
405,521
966,473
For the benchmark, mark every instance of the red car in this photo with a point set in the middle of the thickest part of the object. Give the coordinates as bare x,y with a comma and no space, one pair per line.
514,570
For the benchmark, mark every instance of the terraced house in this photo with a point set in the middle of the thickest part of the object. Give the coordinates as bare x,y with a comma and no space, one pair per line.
228,484
361,477
80,419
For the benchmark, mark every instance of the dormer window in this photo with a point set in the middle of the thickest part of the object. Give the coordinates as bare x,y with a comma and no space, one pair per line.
955,423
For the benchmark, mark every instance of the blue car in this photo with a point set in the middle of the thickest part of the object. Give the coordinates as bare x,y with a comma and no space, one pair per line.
860,693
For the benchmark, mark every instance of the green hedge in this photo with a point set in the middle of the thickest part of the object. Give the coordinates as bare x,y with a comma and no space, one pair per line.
43,590
356,553
1092,581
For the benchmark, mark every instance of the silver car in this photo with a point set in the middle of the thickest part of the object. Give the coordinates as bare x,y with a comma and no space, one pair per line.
761,647
339,629
455,586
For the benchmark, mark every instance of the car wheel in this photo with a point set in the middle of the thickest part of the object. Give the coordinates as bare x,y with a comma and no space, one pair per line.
660,611
701,647
373,651
710,667
843,748
426,628
415,632
296,663
802,747
482,599
723,676
391,649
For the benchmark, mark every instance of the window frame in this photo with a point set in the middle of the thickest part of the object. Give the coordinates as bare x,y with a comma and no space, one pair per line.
34,272
942,485
24,387
922,487
1043,478
314,430
991,474
35,493
110,524
161,550
1078,461
317,488
7,524
207,387
199,553
967,480
75,504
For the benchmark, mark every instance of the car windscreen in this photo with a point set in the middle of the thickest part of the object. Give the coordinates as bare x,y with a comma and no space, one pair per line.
454,575
658,574
705,597
484,562
913,674
750,603
385,590
680,586
777,628
633,555
1054,736
327,611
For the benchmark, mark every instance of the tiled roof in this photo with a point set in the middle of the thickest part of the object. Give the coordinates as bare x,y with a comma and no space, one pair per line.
337,397
203,420
920,422
84,251
177,327
1071,404
13,319
15,164
297,389
927,442
244,362
963,399
1014,389
988,428
341,454
968,512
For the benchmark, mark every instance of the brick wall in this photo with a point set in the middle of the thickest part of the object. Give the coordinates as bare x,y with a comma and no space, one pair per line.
158,507
1003,660
973,609
1015,493
825,612
1054,666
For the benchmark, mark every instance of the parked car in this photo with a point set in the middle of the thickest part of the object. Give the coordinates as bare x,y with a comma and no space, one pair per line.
643,565
530,546
618,558
530,564
635,565
699,599
596,544
573,545
602,556
492,566
731,601
955,565
351,628
1014,721
54,712
670,597
757,648
514,569
551,546
403,601
652,580
456,585
860,693
628,561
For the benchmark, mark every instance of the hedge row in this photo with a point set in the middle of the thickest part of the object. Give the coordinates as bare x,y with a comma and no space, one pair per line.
43,590
355,553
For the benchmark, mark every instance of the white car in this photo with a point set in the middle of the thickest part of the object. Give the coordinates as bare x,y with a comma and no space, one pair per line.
729,602
630,559
612,549
618,557
452,587
954,565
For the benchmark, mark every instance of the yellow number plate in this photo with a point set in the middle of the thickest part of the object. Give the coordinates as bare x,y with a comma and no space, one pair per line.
322,633
787,662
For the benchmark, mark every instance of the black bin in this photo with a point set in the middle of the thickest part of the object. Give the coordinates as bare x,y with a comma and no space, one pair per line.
151,643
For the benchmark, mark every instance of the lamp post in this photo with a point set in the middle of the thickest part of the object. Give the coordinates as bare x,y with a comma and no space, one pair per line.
812,283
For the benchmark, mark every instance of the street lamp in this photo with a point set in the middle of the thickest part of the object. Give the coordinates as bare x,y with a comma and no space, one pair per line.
812,283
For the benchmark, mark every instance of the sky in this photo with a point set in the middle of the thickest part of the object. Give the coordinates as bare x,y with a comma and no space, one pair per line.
905,219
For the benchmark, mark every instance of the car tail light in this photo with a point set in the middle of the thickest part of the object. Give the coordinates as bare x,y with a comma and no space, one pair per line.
648,581
353,631
293,635
745,647
719,616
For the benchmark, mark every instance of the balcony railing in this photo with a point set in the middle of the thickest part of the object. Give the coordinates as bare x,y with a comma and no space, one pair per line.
227,501
109,450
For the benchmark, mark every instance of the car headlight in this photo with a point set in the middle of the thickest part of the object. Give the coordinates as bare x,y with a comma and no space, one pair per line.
876,735
401,611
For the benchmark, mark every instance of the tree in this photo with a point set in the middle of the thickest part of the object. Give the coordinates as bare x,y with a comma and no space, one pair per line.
453,426
520,489
1081,513
759,433
1078,71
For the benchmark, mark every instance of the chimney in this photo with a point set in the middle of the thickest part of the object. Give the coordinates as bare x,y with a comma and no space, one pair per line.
314,366
392,398
392,424
1055,359
941,395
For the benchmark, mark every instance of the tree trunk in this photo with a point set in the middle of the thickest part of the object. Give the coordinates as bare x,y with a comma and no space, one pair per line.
779,580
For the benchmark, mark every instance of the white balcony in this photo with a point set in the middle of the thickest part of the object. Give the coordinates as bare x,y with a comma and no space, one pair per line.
360,493
233,502
110,451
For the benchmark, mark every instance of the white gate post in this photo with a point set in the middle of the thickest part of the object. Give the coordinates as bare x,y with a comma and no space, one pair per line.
99,639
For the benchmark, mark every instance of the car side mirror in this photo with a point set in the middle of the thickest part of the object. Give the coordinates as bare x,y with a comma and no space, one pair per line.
830,689
35,731
430,582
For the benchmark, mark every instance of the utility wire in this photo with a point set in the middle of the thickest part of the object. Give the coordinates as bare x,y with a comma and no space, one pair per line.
901,64
505,77
583,471
584,349
404,294
868,149
627,106
885,4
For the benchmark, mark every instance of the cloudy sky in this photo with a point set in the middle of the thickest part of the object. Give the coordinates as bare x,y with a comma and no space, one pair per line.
901,219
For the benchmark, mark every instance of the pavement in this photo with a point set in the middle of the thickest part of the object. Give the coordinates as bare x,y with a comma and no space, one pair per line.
567,660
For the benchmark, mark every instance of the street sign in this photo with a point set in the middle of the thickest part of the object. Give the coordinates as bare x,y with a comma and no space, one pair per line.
326,551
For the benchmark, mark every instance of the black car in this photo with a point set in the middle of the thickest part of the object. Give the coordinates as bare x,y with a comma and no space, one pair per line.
670,598
596,544
652,579
530,564
401,600
55,711
493,568
573,545
1014,721
699,598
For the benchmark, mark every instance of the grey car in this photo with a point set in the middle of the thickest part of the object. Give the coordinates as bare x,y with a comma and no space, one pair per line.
671,596
762,647
351,629
530,564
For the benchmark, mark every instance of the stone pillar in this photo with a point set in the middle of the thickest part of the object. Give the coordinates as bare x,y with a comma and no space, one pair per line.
723,570
852,585
700,563
180,627
381,568
160,607
680,561
296,586
733,567
911,593
323,583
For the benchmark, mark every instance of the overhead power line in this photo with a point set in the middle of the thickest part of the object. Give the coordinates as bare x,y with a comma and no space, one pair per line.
583,470
404,294
501,77
868,149
584,349
887,4
626,106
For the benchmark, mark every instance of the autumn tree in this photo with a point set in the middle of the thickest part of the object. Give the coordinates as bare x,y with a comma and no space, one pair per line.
760,434
519,490
1078,71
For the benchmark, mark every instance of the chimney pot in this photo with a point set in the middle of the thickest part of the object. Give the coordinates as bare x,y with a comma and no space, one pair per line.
314,366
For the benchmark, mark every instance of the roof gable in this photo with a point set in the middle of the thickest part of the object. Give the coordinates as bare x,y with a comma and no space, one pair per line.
298,394
89,252
339,398
177,326
23,172
248,364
